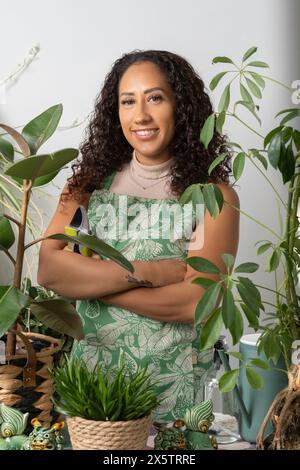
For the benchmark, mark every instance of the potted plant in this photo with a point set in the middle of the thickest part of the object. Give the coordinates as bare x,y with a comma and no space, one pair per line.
24,378
278,322
110,410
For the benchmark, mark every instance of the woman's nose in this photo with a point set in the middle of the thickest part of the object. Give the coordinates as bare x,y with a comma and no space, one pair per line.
142,115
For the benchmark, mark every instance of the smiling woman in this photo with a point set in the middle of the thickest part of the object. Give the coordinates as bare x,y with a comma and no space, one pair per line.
141,152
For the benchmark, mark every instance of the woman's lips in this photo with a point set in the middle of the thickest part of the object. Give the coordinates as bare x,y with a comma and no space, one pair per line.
145,134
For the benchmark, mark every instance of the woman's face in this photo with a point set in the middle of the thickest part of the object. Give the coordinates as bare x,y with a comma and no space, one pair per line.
146,112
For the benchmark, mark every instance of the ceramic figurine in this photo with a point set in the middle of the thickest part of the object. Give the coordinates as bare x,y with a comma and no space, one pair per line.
44,438
197,421
190,433
169,438
12,425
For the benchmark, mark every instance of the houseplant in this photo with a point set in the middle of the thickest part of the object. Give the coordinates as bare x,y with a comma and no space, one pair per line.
277,321
28,172
110,410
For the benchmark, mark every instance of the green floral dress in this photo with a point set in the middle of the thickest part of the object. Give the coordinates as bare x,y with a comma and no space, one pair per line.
170,350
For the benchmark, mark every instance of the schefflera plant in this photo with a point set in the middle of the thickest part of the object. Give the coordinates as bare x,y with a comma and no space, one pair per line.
242,298
31,171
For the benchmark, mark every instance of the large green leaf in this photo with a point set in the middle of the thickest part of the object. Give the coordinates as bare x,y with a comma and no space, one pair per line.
290,116
207,131
249,53
211,331
273,261
6,149
215,81
60,316
258,63
7,236
253,88
219,197
220,122
247,268
222,60
228,260
228,380
216,162
41,165
41,180
11,302
258,78
287,163
41,128
202,265
225,99
228,308
250,287
238,165
274,150
254,379
204,282
186,196
100,247
210,201
207,302
236,327
271,134
245,94
251,316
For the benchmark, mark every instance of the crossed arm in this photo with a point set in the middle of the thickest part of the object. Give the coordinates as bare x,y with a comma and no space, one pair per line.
177,302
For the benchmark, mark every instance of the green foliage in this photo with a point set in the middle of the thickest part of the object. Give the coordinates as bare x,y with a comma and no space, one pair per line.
239,297
113,395
25,173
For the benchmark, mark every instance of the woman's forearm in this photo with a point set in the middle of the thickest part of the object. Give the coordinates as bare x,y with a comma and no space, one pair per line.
78,277
175,303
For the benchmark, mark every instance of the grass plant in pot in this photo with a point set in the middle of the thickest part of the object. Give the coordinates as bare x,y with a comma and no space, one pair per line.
24,378
110,410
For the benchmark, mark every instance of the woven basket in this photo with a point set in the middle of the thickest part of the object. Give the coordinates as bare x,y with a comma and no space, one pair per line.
109,435
25,382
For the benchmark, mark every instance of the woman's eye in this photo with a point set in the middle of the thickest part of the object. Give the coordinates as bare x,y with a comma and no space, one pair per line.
127,102
155,98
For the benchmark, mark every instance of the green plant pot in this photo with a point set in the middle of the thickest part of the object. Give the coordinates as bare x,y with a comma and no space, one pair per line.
257,402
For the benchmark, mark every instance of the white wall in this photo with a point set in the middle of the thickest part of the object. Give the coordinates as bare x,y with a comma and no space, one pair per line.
80,40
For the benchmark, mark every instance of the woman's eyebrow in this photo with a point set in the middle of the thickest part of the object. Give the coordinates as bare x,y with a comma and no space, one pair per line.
149,90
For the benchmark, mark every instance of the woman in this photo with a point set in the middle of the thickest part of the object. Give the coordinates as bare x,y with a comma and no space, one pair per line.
142,148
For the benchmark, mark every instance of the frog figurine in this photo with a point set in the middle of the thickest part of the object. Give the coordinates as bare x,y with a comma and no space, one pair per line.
12,424
197,420
169,438
44,438
190,433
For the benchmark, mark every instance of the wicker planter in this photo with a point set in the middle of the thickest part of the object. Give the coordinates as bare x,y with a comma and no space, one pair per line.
109,435
25,382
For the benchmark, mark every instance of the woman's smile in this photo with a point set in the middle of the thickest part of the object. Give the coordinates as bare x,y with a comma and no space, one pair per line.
145,134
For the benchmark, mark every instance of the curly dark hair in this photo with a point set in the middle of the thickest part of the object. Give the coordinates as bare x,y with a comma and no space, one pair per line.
105,149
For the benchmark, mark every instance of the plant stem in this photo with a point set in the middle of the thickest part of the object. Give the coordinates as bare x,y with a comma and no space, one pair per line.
278,82
269,181
27,184
12,219
254,220
10,256
34,242
242,122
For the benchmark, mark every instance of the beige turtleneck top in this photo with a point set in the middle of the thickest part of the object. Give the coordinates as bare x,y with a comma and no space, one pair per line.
137,179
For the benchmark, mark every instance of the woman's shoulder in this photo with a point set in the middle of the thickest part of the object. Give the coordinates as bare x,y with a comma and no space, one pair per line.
229,193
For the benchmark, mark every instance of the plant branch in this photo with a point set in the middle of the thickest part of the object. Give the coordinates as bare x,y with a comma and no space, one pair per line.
12,219
34,242
10,256
268,180
247,125
254,220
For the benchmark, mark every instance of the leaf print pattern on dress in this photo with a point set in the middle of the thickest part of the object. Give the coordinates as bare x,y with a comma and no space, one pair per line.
165,347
